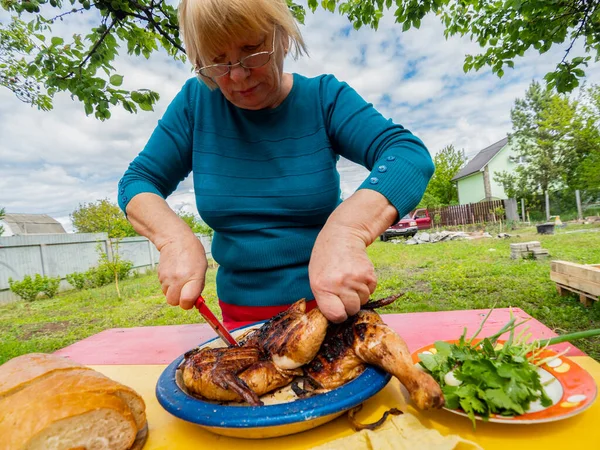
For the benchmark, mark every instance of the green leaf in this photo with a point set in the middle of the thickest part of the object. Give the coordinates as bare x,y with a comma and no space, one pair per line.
116,80
57,41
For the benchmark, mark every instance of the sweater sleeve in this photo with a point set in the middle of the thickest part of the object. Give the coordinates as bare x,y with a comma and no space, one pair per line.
400,164
167,157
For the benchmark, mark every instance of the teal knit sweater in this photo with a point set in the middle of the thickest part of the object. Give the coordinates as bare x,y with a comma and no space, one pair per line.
266,181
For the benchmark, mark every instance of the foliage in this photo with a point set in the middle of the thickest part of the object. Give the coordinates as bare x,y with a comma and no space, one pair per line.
102,216
195,223
441,190
505,30
79,280
29,288
106,272
482,379
586,140
36,64
1,217
559,139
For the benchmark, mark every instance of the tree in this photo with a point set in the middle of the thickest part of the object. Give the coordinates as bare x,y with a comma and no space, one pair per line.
1,217
195,223
542,124
35,68
441,190
559,139
102,216
586,141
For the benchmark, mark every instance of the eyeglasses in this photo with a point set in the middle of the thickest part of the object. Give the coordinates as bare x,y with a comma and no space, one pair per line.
253,61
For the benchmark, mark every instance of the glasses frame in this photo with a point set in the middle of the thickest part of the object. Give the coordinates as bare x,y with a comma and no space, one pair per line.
201,70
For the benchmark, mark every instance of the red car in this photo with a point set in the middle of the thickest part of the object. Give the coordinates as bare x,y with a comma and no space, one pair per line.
409,225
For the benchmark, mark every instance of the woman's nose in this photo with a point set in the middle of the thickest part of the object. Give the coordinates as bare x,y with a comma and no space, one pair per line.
238,73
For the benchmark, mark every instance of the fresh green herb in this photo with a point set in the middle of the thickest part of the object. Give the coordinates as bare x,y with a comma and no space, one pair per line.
484,377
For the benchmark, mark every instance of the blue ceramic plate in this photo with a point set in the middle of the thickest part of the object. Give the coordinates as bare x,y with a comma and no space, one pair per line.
269,420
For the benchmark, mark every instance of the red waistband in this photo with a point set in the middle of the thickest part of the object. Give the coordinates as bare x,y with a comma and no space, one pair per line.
235,316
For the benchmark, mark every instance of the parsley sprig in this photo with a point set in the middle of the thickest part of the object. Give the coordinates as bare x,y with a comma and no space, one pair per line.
483,377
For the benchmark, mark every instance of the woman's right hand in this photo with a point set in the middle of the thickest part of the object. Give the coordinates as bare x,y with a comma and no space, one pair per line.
182,270
182,265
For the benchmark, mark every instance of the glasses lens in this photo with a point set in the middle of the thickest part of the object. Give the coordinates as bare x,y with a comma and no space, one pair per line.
256,60
214,71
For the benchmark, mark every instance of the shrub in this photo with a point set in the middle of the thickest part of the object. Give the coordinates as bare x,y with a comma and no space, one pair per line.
29,288
78,280
50,286
101,275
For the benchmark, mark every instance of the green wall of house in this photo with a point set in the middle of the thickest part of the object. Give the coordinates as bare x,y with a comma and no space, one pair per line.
470,189
500,163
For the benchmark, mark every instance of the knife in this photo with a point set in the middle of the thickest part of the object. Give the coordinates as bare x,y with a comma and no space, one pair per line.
212,320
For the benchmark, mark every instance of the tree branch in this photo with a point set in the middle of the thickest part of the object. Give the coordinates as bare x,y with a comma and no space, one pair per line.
581,26
97,44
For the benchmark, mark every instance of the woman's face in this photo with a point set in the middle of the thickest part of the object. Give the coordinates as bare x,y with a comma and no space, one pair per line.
258,88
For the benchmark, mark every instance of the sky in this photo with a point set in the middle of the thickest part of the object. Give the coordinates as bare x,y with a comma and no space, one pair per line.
52,162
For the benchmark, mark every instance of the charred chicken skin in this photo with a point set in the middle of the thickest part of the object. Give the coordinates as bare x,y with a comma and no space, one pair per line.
267,359
364,338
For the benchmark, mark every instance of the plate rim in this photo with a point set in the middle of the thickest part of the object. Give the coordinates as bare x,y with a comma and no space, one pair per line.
181,405
514,419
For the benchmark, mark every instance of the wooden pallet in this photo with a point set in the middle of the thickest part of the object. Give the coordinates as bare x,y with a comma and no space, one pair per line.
585,298
582,279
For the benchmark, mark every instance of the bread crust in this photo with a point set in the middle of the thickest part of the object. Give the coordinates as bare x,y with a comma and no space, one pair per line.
22,370
22,421
42,393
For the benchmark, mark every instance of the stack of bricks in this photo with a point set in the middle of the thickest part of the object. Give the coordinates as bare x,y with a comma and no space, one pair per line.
528,250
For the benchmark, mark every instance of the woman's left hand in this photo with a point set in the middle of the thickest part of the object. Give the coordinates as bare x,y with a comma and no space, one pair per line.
342,277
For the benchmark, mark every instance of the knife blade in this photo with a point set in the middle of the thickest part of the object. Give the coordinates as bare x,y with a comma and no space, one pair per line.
216,325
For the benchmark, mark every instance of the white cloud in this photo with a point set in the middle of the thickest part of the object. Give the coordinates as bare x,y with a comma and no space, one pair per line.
50,162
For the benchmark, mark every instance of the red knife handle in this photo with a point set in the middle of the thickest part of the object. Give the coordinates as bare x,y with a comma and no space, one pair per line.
216,325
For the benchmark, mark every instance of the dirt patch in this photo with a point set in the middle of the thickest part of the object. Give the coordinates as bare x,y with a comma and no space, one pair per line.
35,330
420,286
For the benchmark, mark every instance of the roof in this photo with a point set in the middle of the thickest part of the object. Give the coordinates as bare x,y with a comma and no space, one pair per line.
32,224
481,159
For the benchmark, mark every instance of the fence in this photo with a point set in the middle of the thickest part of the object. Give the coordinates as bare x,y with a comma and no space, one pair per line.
569,204
57,255
490,211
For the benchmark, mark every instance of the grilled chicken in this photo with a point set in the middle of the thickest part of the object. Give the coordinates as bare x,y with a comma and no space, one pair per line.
267,359
364,338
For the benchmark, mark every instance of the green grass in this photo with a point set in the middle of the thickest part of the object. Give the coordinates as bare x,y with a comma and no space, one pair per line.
435,277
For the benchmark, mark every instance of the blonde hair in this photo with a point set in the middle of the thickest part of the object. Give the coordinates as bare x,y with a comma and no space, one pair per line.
209,26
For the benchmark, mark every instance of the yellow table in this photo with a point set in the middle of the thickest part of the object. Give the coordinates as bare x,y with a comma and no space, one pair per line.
137,357
167,432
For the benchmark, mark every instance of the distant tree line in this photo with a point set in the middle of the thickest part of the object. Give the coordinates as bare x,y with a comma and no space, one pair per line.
103,216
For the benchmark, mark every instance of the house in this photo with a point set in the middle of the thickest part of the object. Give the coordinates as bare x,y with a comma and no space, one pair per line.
24,224
475,181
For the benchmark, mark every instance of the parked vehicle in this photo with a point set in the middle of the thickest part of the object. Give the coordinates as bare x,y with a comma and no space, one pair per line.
408,225
421,216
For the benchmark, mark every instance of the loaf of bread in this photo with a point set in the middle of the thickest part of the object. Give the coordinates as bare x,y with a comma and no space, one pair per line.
50,403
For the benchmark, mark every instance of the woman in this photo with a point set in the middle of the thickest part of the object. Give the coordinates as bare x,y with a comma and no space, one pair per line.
262,146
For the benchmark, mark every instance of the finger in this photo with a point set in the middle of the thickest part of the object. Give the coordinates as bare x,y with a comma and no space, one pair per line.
332,307
173,295
364,294
351,302
372,284
190,293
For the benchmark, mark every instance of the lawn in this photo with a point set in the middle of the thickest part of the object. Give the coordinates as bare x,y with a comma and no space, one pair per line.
434,277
